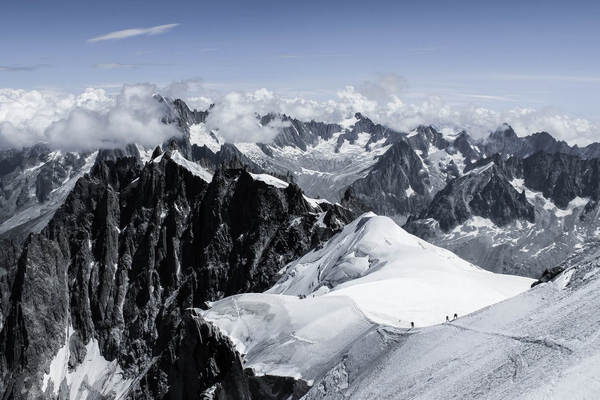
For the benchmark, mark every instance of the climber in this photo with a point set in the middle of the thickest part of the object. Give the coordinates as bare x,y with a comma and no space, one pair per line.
455,316
412,325
447,319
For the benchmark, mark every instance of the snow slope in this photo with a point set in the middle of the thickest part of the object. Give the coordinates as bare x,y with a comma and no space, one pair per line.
280,184
288,336
371,273
191,166
95,376
395,277
542,344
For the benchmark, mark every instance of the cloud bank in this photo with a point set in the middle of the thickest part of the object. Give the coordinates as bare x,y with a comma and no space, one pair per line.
380,100
95,119
131,32
87,121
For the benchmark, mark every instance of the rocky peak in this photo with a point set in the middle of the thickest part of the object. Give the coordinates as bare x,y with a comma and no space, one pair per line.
562,177
467,147
397,185
131,249
424,137
485,191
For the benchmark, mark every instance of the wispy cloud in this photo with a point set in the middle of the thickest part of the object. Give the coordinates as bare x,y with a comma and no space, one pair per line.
131,32
21,68
488,97
560,78
310,55
115,66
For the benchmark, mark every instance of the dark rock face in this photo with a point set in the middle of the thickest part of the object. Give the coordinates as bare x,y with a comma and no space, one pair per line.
10,251
396,185
197,362
427,137
505,141
549,274
128,253
467,147
31,175
269,387
301,134
130,150
228,156
483,191
376,132
562,177
406,177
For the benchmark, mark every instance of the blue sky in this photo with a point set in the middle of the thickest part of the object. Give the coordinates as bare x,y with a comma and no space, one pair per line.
502,54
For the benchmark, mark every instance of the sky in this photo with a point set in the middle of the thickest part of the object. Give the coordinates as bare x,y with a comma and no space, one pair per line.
498,55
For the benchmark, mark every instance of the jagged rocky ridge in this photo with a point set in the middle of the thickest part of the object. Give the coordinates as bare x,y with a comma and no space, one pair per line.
505,141
135,245
130,250
516,215
365,166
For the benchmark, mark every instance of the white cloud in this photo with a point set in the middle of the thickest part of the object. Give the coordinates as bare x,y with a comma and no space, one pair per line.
131,32
396,114
97,119
87,121
236,116
383,86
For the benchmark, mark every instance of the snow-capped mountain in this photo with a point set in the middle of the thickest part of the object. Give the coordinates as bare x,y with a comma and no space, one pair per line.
541,344
371,275
145,269
108,281
518,216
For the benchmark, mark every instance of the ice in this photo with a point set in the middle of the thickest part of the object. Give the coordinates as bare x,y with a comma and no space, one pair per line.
280,184
145,154
200,136
396,278
94,376
286,335
191,166
542,344
270,180
371,274
58,365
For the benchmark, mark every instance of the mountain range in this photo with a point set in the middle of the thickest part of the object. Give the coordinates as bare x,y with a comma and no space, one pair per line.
312,265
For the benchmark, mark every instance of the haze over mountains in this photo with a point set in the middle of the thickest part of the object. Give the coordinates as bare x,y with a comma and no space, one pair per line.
141,266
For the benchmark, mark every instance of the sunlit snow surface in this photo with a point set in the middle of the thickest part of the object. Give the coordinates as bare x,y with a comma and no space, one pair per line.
371,273
280,184
93,377
394,277
200,136
542,344
191,166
